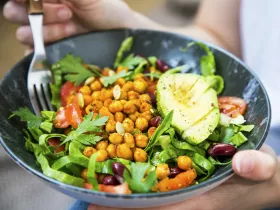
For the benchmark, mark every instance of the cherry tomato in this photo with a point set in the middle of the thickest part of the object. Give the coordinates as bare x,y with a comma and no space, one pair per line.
54,142
119,189
73,115
68,89
232,106
60,120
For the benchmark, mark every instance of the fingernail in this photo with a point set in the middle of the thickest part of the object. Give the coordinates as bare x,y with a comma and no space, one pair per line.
64,13
23,33
69,29
244,164
7,10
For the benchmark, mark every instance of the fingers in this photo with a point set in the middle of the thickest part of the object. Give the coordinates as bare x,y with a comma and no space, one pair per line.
255,165
53,13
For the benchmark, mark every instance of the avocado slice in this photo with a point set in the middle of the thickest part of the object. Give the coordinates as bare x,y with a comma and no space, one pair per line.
194,102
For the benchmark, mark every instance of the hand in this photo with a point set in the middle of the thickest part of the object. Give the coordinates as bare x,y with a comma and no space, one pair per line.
258,188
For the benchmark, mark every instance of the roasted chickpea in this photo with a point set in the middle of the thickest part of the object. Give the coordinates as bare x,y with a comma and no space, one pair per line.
145,98
96,85
108,94
85,90
87,99
140,86
102,96
128,125
119,117
121,68
184,162
96,105
147,115
141,140
136,102
88,151
104,111
123,151
132,95
141,123
138,76
116,106
101,155
101,145
116,138
123,95
95,95
100,178
134,116
120,81
70,99
112,150
151,131
111,126
140,155
129,108
84,174
162,171
129,140
107,102
145,107
128,86
123,101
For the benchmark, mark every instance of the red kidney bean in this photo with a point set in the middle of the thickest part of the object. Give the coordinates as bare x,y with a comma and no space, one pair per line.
110,180
118,168
221,149
155,121
119,178
153,98
161,65
174,171
146,71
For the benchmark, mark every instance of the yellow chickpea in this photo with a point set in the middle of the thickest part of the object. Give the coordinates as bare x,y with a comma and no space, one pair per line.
95,95
87,99
132,95
89,109
128,86
120,82
116,106
107,102
119,117
112,150
136,102
70,99
151,131
141,123
147,115
101,145
102,96
101,155
140,155
108,94
96,85
141,140
123,101
140,86
104,111
145,107
123,151
162,171
85,90
129,140
145,98
96,105
128,125
138,76
121,68
116,138
84,174
123,95
184,162
111,126
134,116
88,151
129,108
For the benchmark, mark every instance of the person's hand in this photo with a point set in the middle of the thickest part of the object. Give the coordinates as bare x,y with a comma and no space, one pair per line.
256,187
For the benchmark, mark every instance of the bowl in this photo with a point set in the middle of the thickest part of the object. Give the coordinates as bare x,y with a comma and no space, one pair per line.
100,48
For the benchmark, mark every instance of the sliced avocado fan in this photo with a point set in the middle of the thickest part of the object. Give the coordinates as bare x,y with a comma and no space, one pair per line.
195,105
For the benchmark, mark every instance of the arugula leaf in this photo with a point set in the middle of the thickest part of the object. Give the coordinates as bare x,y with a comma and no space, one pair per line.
26,115
226,134
130,61
238,139
125,46
216,82
109,80
160,157
135,179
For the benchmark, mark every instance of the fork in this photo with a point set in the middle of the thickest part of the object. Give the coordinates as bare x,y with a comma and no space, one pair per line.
39,77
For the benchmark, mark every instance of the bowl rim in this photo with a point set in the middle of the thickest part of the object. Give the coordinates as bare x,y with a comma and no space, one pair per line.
206,183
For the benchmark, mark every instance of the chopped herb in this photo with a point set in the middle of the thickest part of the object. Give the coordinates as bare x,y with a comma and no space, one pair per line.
26,115
111,79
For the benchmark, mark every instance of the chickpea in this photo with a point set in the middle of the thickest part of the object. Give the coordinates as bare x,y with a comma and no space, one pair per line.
132,95
140,155
116,106
141,123
147,115
129,108
104,111
121,68
123,95
88,151
101,145
102,96
70,99
128,86
123,151
116,138
96,106
110,126
85,90
100,178
136,131
184,162
151,131
84,174
138,76
107,102
134,116
108,94
87,99
162,171
145,98
112,150
140,86
123,101
96,85
129,140
120,81
128,125
141,140
145,107
101,156
136,102
95,95
119,117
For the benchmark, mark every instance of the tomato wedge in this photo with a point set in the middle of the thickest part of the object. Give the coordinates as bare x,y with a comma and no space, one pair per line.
60,120
232,106
54,142
68,89
119,189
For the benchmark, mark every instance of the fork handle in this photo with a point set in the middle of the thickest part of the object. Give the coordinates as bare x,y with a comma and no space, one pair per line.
35,7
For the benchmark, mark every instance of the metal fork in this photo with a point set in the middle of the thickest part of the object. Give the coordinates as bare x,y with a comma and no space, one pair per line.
39,77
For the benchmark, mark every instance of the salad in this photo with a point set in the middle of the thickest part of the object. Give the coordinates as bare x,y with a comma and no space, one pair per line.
137,127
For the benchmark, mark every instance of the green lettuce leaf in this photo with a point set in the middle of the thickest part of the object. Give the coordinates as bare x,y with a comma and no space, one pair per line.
125,47
238,139
216,82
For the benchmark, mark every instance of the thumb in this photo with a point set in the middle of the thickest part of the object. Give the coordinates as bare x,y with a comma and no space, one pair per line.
255,165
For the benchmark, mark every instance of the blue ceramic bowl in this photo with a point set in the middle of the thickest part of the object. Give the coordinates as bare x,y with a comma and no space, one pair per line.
100,48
